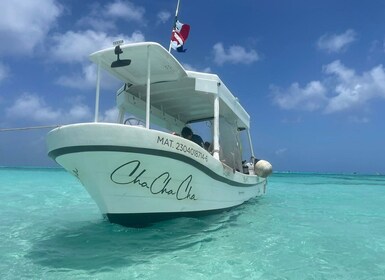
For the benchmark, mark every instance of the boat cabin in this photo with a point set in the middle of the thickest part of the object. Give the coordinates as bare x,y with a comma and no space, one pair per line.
158,91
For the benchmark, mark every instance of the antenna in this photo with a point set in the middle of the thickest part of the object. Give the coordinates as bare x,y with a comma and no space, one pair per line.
174,25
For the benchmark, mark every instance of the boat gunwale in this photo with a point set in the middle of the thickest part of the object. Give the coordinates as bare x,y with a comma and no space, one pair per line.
55,153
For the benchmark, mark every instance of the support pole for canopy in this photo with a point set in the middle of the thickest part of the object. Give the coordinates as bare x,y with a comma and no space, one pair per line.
216,127
251,145
97,94
176,18
148,103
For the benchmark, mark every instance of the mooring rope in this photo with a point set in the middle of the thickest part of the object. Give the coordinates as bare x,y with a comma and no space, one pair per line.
28,128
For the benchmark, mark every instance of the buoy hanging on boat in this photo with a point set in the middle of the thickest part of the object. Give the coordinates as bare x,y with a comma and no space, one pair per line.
263,168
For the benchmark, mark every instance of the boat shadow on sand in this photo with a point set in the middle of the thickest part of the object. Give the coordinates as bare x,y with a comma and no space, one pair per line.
101,246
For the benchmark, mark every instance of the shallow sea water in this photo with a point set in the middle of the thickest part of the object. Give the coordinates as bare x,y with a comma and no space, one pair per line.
308,226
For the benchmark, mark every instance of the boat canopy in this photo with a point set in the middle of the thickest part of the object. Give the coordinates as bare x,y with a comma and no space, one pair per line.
185,96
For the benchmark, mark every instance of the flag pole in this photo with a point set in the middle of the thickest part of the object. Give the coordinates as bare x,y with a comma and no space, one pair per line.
175,19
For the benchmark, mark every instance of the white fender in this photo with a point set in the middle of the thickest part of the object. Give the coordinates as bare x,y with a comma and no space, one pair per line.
263,168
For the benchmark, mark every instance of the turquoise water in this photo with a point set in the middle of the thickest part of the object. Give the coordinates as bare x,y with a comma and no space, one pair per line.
308,226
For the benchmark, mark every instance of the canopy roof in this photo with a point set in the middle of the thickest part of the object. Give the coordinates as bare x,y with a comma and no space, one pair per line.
185,95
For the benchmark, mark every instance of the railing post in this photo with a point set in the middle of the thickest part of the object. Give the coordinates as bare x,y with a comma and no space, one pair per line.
148,103
97,94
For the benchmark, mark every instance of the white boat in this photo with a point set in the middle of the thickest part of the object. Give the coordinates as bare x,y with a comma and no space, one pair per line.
139,172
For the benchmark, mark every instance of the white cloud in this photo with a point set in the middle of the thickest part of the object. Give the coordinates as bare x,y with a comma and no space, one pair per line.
97,23
76,113
344,74
25,24
34,108
110,115
4,72
189,67
85,80
164,16
104,18
334,43
76,46
352,90
124,10
234,55
309,98
343,89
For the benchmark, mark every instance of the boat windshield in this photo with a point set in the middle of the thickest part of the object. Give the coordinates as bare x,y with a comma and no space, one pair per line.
230,144
231,141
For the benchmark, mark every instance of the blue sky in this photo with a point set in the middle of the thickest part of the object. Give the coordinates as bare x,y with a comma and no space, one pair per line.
311,74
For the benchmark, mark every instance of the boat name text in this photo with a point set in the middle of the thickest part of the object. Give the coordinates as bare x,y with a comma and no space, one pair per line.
131,173
181,147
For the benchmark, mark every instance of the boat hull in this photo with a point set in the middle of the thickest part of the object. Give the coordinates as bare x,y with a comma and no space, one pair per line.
138,176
